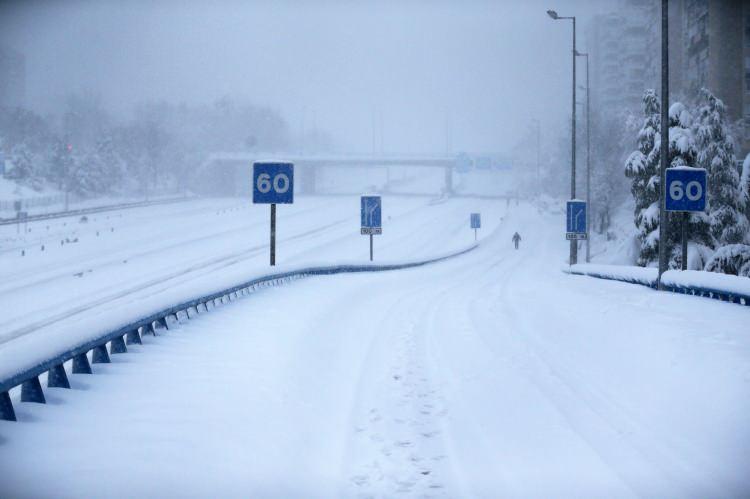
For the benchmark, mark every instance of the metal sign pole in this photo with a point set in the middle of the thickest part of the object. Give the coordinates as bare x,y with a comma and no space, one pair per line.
273,234
475,234
370,246
685,216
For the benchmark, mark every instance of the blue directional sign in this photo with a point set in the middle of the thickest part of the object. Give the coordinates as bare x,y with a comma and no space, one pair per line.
576,220
370,215
273,183
463,163
476,221
686,189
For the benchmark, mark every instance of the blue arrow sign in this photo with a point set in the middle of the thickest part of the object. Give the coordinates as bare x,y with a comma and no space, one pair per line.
273,183
685,189
476,221
576,217
370,214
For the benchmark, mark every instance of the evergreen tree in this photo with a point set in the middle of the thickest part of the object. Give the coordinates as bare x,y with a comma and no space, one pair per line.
642,167
729,224
682,152
109,163
23,163
745,189
61,164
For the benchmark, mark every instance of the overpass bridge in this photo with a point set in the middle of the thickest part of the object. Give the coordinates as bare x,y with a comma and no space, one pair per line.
227,167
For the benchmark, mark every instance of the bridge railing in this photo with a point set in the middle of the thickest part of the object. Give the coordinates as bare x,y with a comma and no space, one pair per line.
130,333
728,288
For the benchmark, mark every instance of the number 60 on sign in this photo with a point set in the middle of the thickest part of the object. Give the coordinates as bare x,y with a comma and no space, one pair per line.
686,189
273,183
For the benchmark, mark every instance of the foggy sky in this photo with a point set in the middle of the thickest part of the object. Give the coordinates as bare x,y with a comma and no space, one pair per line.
490,66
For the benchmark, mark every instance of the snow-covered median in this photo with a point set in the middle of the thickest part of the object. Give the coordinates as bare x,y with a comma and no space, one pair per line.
693,280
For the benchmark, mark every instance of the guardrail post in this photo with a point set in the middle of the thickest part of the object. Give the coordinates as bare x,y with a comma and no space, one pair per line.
81,364
6,408
31,391
158,324
99,355
57,378
117,345
180,315
133,337
171,321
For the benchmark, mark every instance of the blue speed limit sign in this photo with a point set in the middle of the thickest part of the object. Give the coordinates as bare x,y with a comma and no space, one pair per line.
273,183
685,189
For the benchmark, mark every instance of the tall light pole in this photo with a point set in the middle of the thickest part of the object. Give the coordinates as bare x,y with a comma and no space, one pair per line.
573,242
664,137
588,158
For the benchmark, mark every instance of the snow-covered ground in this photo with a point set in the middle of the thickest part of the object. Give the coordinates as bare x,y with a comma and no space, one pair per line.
130,263
50,200
490,375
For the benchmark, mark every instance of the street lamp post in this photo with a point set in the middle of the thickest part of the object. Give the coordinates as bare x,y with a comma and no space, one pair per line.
588,158
664,138
573,242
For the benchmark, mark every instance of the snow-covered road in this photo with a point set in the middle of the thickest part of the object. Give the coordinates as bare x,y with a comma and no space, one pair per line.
490,375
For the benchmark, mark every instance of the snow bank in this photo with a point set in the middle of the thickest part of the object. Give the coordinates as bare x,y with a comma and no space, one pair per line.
637,275
721,286
709,281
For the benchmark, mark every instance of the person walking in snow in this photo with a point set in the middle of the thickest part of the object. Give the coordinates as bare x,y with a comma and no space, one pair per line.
516,239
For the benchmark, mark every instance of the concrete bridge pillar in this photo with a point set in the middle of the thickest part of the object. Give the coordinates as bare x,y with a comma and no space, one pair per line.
449,180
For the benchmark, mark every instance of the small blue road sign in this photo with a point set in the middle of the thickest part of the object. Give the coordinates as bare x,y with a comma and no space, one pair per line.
576,220
463,163
370,215
685,189
476,221
273,183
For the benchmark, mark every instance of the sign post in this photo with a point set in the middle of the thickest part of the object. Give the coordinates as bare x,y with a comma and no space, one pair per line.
476,223
685,192
370,217
17,208
576,220
273,182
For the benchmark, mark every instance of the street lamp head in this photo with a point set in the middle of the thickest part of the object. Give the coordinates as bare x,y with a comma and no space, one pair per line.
581,54
553,14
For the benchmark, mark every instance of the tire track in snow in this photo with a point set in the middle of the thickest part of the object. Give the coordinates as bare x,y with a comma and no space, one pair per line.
396,443
203,267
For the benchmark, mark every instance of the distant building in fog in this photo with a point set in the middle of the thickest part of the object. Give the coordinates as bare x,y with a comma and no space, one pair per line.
622,65
716,54
12,77
709,47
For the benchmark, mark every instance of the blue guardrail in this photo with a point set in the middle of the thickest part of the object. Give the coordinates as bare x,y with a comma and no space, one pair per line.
716,294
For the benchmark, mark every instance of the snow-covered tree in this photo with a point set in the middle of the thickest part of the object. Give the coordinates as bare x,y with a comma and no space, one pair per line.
108,162
642,167
60,163
729,224
731,259
682,152
23,163
745,189
612,132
